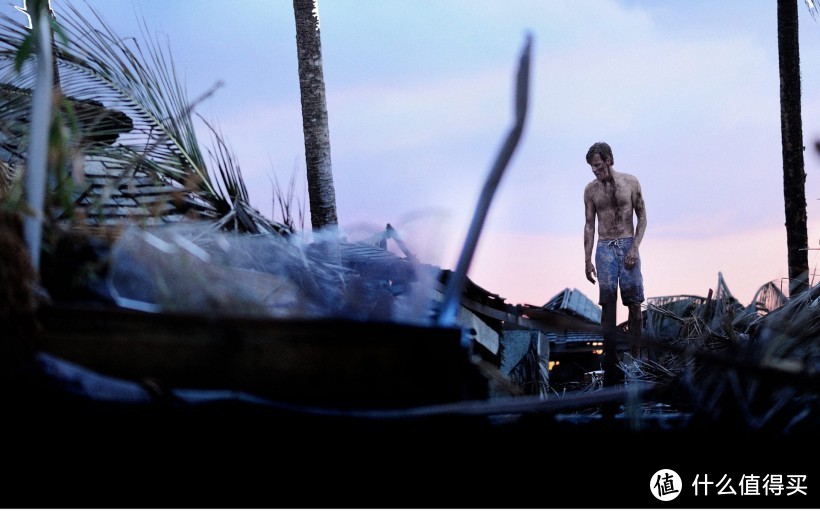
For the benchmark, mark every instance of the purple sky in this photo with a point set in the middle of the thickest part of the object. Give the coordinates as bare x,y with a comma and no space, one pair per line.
420,98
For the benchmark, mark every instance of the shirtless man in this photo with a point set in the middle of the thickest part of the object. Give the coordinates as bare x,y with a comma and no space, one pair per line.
612,197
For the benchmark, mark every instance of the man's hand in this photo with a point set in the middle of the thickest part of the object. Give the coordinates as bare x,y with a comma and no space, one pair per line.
631,257
591,274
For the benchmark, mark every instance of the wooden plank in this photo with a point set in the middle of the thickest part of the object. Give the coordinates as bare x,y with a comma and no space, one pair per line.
322,362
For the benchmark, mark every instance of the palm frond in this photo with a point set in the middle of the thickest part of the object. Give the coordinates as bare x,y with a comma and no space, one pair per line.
129,104
811,5
290,207
233,187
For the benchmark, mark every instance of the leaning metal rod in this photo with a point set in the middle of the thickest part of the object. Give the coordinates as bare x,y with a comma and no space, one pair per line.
455,285
35,177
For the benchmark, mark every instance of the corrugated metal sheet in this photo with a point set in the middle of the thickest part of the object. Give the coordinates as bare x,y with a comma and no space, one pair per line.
110,194
576,303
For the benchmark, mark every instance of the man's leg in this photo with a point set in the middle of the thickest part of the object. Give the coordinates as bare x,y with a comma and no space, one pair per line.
607,262
612,374
632,294
635,325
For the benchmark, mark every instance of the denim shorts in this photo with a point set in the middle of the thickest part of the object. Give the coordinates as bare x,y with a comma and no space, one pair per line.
610,259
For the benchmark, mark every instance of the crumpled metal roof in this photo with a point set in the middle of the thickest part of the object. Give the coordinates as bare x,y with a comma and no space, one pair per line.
576,303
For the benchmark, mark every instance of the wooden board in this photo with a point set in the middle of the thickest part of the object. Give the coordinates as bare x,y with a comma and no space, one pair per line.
328,362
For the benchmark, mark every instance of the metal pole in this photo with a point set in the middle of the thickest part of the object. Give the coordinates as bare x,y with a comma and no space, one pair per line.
36,169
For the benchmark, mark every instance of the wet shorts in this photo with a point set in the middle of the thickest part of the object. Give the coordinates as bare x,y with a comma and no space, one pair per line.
610,259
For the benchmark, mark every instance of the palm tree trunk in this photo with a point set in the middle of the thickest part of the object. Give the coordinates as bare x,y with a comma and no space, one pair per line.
791,132
321,194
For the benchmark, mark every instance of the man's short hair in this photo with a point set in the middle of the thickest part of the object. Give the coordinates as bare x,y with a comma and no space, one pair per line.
602,149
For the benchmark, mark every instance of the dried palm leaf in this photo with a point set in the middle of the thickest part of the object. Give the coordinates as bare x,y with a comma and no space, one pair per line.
131,110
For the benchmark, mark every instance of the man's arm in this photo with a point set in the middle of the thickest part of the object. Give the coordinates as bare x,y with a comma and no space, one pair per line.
589,234
640,227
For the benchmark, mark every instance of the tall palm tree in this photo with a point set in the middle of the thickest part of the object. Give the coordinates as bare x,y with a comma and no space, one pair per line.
321,194
791,133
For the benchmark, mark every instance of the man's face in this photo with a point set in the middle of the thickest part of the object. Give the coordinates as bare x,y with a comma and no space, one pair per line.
599,167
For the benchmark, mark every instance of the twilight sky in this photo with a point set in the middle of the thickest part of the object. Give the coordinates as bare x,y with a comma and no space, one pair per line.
420,99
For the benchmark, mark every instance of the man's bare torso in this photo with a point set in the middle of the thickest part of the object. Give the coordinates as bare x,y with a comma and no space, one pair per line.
614,202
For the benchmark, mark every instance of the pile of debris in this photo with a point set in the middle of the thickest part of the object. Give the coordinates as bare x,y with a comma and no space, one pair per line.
734,367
